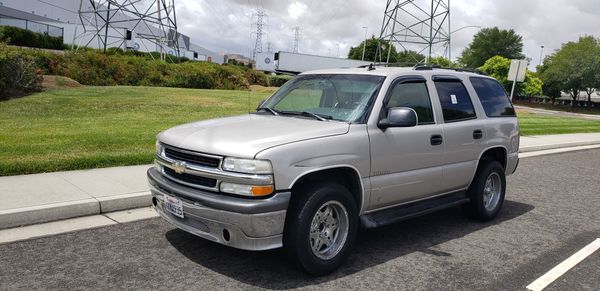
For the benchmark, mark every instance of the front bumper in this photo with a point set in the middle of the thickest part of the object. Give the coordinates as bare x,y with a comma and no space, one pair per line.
249,224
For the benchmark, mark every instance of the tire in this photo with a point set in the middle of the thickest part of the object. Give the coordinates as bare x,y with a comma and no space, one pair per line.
486,199
306,243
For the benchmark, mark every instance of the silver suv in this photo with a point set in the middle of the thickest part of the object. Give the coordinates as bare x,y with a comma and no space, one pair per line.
335,149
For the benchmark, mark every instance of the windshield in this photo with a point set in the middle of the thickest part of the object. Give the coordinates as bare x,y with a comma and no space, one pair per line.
338,97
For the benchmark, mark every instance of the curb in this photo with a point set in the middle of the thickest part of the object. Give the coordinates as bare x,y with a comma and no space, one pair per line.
557,146
63,210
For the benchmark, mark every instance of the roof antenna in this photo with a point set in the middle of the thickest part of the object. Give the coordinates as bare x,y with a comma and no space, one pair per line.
370,68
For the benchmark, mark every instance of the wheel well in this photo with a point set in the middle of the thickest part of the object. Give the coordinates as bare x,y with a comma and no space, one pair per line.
346,176
495,154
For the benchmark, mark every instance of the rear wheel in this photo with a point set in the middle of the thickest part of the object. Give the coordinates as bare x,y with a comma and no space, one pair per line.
486,191
321,228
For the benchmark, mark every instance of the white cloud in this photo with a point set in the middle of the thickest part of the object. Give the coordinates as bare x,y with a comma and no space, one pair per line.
296,9
226,25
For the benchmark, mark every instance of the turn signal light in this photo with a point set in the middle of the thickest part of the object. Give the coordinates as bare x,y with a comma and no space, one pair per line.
262,190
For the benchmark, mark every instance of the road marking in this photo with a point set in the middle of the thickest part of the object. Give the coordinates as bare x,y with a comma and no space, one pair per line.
75,224
545,280
557,151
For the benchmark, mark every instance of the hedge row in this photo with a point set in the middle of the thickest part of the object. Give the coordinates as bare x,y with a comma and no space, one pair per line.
93,68
23,37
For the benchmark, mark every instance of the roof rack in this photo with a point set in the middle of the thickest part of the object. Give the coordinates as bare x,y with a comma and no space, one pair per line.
431,67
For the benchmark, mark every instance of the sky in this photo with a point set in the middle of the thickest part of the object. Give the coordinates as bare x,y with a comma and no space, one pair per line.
326,25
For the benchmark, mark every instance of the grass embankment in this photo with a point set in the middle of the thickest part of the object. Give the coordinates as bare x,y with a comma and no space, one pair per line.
89,127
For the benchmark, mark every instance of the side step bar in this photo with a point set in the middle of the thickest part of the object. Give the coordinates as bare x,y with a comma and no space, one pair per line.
411,210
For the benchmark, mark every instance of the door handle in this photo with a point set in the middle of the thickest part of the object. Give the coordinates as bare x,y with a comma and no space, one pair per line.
436,139
477,134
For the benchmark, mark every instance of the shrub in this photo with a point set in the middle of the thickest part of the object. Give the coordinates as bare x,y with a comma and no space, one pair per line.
256,78
90,67
18,73
278,80
23,37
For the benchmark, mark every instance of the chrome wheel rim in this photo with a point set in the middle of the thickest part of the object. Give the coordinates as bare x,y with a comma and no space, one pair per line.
491,191
329,230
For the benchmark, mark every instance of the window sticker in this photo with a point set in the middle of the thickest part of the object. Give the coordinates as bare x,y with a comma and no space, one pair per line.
454,100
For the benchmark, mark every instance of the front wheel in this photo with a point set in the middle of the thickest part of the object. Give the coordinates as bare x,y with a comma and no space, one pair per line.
486,191
321,228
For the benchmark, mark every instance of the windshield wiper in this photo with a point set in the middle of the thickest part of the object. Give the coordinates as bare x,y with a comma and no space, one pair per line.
273,111
321,117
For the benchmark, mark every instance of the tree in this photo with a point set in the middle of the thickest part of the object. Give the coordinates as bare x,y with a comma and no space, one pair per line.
575,67
490,42
442,62
498,68
404,57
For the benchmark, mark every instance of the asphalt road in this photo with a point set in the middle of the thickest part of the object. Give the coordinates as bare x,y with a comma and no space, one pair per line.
552,211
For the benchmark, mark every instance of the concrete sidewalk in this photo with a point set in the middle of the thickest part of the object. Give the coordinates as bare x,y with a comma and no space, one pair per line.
30,199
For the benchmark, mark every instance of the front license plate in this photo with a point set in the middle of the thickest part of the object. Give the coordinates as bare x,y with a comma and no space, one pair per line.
174,206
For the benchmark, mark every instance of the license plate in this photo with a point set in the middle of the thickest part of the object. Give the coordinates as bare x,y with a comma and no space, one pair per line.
174,206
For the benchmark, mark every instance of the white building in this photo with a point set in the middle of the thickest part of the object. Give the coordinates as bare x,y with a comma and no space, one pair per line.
61,18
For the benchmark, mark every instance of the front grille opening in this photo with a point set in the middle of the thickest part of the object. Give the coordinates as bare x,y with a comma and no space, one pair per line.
192,158
192,179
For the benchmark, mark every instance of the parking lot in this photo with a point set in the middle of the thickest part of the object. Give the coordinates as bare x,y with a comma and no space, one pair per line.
551,212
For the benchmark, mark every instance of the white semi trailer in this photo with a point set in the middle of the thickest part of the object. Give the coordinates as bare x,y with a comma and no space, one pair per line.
285,62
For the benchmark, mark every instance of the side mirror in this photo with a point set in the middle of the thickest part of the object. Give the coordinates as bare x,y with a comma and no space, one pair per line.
399,117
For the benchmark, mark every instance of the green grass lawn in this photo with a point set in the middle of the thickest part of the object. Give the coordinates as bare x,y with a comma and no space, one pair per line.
536,124
89,127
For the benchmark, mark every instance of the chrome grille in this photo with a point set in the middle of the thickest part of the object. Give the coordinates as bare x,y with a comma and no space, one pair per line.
192,158
191,179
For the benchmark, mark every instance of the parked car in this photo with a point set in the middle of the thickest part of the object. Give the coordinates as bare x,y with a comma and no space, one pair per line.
333,150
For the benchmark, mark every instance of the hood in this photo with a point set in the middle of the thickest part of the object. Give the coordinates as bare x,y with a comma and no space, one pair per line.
247,135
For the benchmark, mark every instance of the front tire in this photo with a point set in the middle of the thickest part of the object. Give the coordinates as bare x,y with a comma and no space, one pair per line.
486,192
321,227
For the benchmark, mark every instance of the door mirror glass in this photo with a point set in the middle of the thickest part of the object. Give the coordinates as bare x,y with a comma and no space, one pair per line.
399,117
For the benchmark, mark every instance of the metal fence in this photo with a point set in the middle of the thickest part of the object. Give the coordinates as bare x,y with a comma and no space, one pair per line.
38,27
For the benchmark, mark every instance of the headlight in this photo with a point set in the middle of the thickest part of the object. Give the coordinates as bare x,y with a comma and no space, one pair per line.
159,147
246,190
249,166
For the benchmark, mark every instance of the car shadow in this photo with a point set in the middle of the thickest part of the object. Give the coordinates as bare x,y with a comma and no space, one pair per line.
270,269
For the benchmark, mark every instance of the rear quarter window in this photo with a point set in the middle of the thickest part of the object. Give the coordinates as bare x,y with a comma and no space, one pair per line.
493,98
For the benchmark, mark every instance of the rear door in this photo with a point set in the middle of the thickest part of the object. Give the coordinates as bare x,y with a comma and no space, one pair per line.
464,133
406,162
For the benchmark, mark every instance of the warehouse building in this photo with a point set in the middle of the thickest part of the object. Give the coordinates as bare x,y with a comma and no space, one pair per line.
62,18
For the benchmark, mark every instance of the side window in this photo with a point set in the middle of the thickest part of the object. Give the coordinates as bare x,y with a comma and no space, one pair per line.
455,100
415,96
493,97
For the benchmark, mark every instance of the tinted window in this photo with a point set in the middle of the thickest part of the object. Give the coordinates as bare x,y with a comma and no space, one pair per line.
455,100
415,96
492,97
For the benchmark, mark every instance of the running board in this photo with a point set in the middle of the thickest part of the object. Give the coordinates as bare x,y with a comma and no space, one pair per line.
411,210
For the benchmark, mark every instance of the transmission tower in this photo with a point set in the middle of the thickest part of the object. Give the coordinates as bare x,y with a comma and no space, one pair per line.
296,39
259,24
129,24
419,25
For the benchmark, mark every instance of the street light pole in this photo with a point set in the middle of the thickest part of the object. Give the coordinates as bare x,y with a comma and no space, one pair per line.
364,44
541,54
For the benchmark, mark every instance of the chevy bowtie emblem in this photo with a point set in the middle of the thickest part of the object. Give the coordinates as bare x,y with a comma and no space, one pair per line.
179,167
